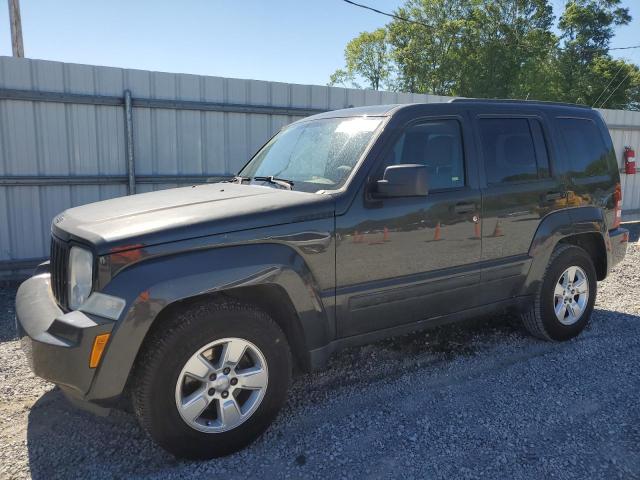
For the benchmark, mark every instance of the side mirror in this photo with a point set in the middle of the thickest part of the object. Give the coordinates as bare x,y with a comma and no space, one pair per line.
407,180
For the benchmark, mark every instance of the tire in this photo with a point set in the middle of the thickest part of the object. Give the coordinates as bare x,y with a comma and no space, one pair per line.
157,392
541,319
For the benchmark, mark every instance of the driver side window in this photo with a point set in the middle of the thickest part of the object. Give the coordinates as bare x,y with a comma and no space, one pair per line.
437,145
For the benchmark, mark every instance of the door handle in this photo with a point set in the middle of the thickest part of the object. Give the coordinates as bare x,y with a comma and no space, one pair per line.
465,208
551,196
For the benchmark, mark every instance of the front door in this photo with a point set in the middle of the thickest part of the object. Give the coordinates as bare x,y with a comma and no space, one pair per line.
401,260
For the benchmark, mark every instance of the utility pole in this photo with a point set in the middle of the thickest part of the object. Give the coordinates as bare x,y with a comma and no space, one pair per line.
16,28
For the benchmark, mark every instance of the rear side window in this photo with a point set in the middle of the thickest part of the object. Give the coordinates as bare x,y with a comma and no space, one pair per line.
585,148
437,145
509,150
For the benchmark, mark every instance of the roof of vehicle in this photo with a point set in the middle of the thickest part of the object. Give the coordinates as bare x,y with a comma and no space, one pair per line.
370,111
501,101
387,110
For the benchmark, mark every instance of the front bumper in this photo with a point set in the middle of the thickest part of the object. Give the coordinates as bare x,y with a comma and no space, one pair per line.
58,344
618,241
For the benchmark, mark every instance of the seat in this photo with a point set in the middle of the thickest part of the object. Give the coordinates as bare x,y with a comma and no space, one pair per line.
438,156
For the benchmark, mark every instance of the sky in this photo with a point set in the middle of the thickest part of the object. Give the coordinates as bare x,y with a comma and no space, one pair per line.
295,41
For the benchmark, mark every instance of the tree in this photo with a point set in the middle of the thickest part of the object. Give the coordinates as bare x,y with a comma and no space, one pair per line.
472,47
507,49
342,77
584,65
498,49
427,53
587,26
366,57
612,83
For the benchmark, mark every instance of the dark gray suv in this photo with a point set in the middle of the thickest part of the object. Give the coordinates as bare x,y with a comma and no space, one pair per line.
197,303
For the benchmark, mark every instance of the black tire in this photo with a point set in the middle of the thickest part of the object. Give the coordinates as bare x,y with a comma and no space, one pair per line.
166,352
540,320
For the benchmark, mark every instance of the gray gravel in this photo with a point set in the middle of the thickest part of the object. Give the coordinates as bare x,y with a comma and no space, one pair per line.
482,400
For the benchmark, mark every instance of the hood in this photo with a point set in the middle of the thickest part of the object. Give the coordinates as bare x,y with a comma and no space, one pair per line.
183,213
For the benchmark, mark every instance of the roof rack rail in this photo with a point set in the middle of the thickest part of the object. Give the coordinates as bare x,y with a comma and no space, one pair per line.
531,102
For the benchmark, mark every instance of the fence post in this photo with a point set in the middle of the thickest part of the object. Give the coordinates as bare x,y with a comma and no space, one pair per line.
128,132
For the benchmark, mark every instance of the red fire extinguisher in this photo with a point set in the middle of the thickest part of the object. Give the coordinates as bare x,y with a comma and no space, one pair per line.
629,161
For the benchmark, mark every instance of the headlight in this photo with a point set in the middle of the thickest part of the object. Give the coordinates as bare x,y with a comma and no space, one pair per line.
80,276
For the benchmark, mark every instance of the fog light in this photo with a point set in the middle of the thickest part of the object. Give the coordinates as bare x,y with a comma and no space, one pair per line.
98,347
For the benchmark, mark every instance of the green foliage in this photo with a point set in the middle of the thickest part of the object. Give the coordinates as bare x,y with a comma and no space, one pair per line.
428,58
584,65
498,49
366,56
587,26
507,49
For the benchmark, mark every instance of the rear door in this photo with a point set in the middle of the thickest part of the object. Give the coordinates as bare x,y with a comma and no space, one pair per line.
519,187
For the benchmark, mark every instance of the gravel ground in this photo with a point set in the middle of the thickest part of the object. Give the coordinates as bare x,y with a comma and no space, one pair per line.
482,400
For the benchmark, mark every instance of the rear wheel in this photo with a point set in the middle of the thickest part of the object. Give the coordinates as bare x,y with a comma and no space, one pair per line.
565,299
212,380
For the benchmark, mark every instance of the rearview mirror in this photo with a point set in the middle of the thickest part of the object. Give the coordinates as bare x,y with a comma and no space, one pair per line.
408,180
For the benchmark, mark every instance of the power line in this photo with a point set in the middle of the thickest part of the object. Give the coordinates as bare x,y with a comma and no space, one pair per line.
416,22
608,84
614,90
391,15
625,48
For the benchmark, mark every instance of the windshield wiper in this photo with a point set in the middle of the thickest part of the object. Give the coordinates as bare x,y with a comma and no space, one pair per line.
288,184
282,182
238,179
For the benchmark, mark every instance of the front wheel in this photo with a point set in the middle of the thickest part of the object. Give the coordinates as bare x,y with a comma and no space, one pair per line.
212,380
565,299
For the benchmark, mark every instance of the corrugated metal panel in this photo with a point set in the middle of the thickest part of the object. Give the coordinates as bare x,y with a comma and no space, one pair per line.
41,138
624,127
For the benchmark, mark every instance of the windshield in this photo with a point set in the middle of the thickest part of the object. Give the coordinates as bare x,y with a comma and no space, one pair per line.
314,155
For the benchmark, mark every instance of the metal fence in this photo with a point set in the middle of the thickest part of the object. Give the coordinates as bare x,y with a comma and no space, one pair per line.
73,134
624,127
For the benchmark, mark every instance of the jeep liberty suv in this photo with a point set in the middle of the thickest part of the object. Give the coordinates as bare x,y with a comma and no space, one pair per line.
346,227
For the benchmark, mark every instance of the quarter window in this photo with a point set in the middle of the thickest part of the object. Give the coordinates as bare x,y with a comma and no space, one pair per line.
436,145
586,151
509,150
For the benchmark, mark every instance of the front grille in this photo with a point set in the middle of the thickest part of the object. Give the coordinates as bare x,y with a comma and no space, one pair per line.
59,270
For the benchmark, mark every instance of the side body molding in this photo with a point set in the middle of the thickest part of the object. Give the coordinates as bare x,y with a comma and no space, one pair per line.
555,227
153,284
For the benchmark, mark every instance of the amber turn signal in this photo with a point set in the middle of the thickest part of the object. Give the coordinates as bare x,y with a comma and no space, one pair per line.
98,347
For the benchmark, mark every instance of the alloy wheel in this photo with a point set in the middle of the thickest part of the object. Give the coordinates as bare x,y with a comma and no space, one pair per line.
571,295
221,385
